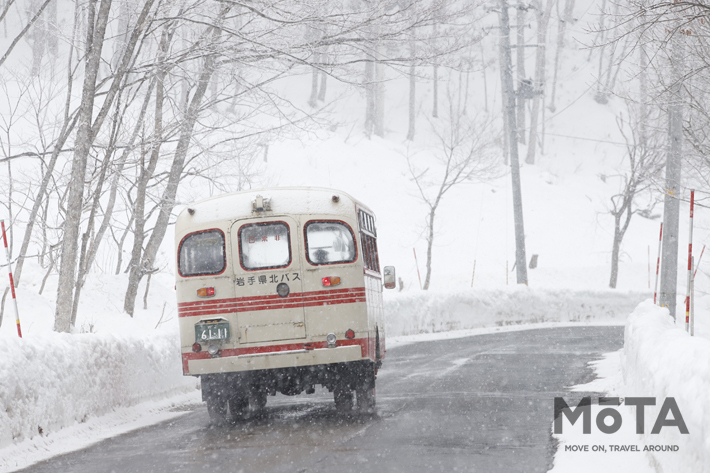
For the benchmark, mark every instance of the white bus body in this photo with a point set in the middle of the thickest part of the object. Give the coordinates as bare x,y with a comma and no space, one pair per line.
279,290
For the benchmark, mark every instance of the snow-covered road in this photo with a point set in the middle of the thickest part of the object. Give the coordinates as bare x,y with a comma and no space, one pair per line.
480,403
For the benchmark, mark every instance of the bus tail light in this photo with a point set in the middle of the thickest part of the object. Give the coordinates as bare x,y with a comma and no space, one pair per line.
350,334
331,281
196,347
205,292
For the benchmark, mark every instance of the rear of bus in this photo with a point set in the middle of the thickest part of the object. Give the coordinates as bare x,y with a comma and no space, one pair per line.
279,294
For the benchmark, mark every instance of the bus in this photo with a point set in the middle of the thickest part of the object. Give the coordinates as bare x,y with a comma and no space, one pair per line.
280,290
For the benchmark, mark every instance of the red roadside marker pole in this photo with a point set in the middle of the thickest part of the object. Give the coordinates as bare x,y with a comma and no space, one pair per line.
695,271
12,282
690,262
658,265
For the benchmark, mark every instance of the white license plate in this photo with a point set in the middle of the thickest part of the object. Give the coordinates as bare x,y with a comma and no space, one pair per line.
209,331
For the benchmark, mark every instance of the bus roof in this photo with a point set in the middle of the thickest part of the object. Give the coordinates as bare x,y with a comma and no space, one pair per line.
283,200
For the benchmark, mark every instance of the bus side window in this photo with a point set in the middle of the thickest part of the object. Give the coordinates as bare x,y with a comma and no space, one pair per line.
368,237
329,242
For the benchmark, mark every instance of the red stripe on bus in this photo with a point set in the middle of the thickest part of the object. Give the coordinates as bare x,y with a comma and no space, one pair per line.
296,299
231,303
270,296
268,305
204,355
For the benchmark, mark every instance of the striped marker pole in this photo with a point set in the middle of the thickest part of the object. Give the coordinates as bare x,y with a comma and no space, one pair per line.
690,262
12,282
695,271
692,300
658,265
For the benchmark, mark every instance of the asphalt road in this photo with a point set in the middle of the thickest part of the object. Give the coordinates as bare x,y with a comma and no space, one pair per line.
476,404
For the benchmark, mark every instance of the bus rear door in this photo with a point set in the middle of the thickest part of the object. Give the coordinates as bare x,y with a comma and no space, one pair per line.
268,279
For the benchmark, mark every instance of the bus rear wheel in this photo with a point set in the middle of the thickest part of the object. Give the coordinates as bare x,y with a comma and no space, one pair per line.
238,407
257,400
343,399
217,410
365,394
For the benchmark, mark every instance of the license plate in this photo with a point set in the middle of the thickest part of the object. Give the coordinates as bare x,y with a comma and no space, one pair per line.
208,331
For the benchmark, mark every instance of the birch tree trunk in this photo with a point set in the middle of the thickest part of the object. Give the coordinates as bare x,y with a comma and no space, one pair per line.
615,254
429,246
567,17
412,91
369,96
379,97
313,99
543,20
643,88
520,71
146,172
67,266
86,134
601,96
323,78
625,213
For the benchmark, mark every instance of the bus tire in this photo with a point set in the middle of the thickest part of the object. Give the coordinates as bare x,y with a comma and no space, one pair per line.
238,407
343,399
217,410
257,400
365,393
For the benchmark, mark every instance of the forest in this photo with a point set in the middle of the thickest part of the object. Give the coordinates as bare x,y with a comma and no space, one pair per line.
109,108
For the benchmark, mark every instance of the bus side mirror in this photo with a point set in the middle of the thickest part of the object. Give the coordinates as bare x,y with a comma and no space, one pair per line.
390,280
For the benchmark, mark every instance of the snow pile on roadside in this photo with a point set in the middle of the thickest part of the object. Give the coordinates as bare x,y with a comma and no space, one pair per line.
53,381
662,360
442,311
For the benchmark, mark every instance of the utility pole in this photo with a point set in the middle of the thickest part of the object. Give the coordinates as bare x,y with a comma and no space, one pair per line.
507,75
671,201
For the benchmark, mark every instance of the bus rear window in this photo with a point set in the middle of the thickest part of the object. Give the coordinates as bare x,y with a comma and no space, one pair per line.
264,246
329,242
202,253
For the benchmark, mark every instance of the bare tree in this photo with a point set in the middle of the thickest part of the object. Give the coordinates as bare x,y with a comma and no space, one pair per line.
463,153
643,164
118,151
86,134
167,204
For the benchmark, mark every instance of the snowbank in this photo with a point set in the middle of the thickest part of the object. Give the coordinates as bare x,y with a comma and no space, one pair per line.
52,381
662,360
442,311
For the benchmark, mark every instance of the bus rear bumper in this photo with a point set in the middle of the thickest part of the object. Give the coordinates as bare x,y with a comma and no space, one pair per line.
274,360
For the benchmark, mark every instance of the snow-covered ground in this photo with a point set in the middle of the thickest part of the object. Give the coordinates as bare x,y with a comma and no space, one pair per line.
661,359
446,310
